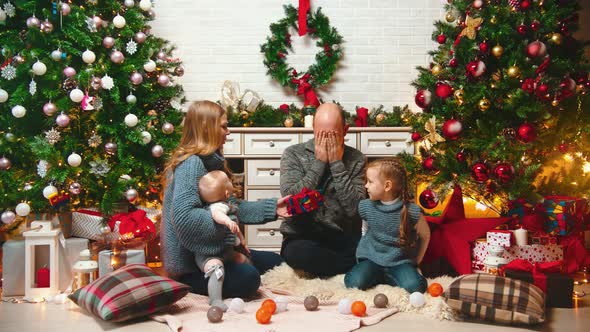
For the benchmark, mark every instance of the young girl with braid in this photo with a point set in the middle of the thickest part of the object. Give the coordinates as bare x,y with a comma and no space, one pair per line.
396,234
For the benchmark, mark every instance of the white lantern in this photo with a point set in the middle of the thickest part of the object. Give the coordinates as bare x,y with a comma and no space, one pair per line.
41,234
85,270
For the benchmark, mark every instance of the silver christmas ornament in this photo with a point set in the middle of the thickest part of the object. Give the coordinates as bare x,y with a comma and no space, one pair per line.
46,26
8,217
110,148
33,22
56,55
131,195
129,3
167,128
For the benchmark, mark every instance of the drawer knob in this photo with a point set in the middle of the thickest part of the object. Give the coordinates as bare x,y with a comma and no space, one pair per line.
272,172
388,144
272,232
272,144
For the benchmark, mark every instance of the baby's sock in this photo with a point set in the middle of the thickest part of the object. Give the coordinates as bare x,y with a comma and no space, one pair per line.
215,287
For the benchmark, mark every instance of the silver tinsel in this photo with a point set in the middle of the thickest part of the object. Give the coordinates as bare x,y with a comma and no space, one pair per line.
32,87
94,141
90,24
9,72
175,103
42,168
97,103
9,9
99,167
131,47
52,136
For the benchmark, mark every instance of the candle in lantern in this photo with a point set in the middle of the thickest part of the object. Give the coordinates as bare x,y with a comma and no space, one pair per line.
43,277
308,121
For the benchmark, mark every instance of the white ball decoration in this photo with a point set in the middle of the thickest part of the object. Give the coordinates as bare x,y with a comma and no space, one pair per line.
131,120
3,96
23,209
88,57
56,55
18,111
417,299
131,195
345,307
150,66
131,99
76,95
237,305
145,5
74,160
146,137
129,3
39,68
49,190
282,303
8,217
119,21
124,178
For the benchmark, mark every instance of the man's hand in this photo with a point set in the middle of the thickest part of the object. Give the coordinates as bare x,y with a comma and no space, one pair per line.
335,147
321,153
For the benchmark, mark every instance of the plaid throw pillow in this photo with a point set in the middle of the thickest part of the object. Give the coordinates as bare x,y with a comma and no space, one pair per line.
131,291
497,299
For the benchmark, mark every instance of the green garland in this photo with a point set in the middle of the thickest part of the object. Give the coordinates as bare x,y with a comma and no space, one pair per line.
278,45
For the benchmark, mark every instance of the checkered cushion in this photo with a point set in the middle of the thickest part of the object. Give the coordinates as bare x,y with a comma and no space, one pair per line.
131,291
497,299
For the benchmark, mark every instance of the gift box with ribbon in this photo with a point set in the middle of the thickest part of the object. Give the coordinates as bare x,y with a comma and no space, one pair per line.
564,214
500,238
547,276
110,260
533,253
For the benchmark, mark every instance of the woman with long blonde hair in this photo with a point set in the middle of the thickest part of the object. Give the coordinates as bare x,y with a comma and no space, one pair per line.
190,230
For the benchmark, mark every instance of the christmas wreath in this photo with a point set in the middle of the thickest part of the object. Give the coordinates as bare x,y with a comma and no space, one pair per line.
278,45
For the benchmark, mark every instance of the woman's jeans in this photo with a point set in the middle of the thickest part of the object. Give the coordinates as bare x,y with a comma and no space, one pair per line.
367,274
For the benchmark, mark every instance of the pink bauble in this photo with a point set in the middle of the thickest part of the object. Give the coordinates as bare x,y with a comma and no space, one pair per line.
33,22
117,57
65,9
452,129
163,80
62,120
69,71
167,128
108,42
140,37
162,55
423,98
49,109
157,151
136,78
46,26
536,49
97,21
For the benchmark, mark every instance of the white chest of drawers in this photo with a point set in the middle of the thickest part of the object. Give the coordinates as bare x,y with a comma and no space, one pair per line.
257,151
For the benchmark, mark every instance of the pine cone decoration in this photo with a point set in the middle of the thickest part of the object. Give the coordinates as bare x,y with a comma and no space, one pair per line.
509,133
162,105
69,85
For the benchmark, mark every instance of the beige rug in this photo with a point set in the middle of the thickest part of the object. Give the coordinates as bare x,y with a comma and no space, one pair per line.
330,291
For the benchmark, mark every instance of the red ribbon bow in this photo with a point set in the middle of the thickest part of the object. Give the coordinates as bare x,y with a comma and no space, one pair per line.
305,89
134,222
538,270
304,7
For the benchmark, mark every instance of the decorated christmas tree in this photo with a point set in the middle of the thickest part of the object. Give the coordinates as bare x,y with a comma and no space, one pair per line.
503,103
88,105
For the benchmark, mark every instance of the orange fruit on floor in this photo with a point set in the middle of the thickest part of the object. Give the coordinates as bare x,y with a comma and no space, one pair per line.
358,308
263,316
435,289
270,306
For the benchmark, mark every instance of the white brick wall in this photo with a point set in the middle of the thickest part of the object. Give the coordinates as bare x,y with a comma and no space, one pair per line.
220,40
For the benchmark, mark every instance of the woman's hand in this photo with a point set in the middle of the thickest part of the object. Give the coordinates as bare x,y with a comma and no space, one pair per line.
282,210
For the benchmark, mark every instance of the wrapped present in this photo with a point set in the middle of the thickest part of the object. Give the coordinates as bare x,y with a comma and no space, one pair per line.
542,238
547,276
110,260
13,261
305,201
533,253
88,224
562,214
500,238
526,215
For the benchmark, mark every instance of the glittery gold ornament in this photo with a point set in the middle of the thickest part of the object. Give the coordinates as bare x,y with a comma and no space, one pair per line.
460,96
288,122
493,20
436,70
379,118
514,72
497,51
579,88
152,113
556,38
555,103
450,17
526,160
484,104
244,115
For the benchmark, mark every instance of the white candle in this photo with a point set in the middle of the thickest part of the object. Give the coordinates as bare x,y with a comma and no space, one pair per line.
521,237
308,121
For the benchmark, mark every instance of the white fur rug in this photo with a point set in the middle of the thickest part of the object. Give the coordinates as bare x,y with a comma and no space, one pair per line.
283,279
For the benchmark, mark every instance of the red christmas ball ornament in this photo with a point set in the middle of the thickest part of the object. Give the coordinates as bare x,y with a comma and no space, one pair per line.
528,85
476,68
461,156
535,25
423,98
453,63
484,47
452,129
568,84
563,147
536,49
443,90
416,136
522,29
525,5
428,163
504,172
428,199
480,172
441,39
542,90
526,133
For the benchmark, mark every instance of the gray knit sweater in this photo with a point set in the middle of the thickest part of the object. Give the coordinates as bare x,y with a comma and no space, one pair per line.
188,228
380,243
341,182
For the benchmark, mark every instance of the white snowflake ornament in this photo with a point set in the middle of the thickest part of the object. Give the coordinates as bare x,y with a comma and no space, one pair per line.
131,47
9,72
175,103
107,82
52,136
42,168
9,9
33,87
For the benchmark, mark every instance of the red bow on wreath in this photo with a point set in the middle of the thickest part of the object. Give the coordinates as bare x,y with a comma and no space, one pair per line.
305,89
304,7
